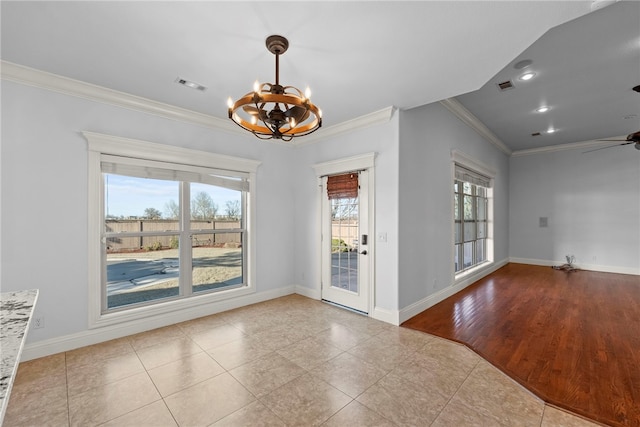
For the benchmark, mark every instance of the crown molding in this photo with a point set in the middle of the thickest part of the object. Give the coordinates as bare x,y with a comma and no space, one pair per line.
380,116
56,83
562,147
474,123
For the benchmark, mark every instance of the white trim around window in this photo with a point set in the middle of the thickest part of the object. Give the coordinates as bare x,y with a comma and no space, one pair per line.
467,162
100,145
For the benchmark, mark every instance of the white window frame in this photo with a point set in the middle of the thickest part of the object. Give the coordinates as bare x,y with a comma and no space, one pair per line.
467,162
99,145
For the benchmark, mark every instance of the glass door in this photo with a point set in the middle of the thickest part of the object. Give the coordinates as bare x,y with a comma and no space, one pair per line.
345,242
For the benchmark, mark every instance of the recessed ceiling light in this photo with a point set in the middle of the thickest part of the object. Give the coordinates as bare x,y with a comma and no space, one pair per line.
527,76
551,130
542,109
523,64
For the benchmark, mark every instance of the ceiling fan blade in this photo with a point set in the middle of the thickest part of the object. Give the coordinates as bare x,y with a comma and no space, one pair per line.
608,146
259,113
299,114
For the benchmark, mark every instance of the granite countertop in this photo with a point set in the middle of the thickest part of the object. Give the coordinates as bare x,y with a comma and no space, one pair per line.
16,309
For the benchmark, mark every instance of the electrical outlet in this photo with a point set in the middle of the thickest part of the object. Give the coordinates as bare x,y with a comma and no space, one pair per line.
38,322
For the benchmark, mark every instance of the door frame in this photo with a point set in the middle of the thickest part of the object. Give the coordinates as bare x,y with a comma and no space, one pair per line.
344,165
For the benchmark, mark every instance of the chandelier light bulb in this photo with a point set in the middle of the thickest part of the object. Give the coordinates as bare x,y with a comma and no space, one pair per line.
229,102
254,120
307,92
256,86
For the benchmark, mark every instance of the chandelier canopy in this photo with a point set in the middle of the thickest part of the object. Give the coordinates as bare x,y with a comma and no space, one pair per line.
273,111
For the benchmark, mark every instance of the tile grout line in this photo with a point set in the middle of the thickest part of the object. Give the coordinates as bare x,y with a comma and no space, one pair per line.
457,390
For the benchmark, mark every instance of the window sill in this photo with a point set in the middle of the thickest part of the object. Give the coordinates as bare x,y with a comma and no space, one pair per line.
477,270
163,308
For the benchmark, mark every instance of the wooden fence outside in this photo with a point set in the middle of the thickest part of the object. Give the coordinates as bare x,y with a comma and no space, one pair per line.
128,244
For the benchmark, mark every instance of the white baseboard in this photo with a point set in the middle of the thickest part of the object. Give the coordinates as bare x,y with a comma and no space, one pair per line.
98,335
425,303
590,267
385,315
308,292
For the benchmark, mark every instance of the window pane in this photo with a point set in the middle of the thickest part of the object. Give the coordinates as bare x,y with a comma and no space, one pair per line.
127,197
469,231
468,207
481,191
467,188
217,261
458,232
482,230
456,208
468,254
480,250
482,208
456,251
209,203
141,269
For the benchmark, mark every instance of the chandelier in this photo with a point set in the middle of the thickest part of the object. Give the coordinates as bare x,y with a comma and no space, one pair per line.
273,111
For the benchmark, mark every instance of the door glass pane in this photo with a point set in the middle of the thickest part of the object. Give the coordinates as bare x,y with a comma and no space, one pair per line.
344,243
141,269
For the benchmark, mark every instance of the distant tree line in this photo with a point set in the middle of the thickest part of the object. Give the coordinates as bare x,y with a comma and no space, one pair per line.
202,208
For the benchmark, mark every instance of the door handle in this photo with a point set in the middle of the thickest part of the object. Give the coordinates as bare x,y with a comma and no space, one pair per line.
363,252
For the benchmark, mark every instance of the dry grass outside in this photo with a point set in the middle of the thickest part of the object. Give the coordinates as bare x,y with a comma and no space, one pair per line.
212,268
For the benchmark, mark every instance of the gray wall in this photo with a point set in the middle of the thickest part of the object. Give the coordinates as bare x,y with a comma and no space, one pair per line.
427,136
383,140
44,177
592,202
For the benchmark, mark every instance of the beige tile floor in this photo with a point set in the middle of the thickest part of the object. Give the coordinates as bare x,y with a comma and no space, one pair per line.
291,361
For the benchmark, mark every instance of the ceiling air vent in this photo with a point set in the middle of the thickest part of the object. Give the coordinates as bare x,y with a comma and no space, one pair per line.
192,85
505,85
535,134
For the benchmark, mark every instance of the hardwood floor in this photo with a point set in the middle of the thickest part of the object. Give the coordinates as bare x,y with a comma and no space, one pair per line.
573,339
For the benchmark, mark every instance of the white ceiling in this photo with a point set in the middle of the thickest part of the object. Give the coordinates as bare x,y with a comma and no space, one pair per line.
357,57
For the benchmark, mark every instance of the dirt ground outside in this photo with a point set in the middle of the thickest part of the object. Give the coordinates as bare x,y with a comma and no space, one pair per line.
152,275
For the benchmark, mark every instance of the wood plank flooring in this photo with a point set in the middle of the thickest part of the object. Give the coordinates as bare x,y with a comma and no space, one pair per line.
573,339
